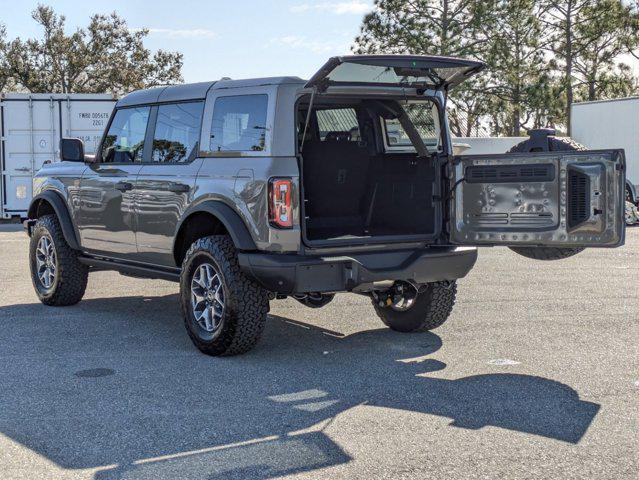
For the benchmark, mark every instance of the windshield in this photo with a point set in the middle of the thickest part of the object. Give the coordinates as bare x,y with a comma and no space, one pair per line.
425,117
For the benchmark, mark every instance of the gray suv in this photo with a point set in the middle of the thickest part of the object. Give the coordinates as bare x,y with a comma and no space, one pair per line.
248,191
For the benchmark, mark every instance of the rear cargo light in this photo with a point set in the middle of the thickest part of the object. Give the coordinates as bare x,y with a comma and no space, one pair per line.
279,208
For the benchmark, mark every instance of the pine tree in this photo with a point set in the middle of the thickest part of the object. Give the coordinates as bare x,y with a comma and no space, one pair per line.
520,83
434,27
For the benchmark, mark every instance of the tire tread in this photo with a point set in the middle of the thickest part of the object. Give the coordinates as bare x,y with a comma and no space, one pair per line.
72,275
251,301
430,313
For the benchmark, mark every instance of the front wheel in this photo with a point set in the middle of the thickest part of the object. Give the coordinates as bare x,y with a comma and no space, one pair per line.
224,311
426,311
57,275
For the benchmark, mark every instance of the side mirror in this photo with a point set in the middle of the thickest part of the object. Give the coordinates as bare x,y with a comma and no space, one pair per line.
71,150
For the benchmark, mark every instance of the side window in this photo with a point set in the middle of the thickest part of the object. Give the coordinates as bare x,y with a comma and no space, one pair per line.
124,142
239,124
338,124
177,132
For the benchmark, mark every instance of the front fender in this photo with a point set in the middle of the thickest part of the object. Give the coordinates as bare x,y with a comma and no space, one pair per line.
62,212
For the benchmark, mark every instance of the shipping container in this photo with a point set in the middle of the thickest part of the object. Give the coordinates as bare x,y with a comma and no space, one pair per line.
31,127
611,124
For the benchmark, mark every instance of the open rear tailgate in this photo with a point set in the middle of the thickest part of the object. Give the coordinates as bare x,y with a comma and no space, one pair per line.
411,71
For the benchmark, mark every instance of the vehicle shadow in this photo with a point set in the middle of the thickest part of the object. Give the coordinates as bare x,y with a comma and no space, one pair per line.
114,383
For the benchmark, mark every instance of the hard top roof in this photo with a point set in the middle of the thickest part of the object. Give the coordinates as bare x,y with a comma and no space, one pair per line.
196,91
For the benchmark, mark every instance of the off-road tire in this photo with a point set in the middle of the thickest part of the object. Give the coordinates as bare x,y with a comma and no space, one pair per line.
430,310
555,144
246,303
71,276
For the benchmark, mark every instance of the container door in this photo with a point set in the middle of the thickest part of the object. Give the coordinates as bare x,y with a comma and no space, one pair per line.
85,119
30,138
558,199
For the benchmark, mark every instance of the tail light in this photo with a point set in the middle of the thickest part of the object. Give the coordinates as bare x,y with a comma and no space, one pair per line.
280,212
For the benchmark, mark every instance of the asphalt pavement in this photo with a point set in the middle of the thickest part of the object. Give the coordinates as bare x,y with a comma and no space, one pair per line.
535,375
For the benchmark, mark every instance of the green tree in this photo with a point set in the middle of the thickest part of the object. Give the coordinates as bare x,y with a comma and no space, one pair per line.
434,27
520,84
586,39
105,57
5,75
598,70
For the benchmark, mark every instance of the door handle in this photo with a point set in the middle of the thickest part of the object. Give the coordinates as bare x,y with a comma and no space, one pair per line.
124,186
179,188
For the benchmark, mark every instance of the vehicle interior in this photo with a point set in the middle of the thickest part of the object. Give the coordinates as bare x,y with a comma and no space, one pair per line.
363,176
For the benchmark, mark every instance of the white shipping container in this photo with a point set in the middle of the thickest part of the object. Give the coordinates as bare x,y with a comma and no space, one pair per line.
31,127
610,124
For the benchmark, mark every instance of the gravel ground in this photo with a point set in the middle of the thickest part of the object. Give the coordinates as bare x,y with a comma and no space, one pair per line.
535,375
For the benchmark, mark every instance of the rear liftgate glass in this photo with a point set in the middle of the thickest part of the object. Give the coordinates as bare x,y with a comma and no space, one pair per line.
547,199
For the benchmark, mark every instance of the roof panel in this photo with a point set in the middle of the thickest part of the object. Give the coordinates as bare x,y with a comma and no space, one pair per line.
197,91
139,97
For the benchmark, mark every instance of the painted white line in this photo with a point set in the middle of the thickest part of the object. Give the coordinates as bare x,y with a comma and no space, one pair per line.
503,362
206,450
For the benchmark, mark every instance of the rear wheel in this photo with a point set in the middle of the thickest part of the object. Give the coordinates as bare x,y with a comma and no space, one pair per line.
224,312
427,310
58,277
555,144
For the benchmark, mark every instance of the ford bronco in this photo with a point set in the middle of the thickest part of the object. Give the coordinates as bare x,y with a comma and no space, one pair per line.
246,191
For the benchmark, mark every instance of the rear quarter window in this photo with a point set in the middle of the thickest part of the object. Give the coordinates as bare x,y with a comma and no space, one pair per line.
239,123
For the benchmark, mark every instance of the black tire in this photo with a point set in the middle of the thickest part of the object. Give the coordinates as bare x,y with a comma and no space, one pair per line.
245,303
430,310
546,253
555,144
70,278
316,302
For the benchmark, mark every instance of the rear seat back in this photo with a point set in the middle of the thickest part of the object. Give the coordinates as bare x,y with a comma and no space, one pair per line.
336,172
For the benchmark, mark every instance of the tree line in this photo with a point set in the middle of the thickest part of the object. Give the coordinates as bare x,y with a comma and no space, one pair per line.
106,56
542,55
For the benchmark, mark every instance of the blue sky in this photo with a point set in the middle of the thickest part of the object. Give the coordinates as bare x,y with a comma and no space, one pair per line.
237,39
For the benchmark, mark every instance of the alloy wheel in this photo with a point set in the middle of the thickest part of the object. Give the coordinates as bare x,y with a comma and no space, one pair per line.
46,261
207,297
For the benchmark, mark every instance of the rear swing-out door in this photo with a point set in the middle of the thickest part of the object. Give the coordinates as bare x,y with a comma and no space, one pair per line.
561,199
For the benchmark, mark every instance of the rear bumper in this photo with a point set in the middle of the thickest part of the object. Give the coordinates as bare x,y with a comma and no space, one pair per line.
288,274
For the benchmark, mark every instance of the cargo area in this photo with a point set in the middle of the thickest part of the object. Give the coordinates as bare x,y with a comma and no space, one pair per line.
362,177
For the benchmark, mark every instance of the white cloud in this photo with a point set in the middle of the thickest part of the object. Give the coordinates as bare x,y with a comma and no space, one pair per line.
315,46
338,8
180,33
